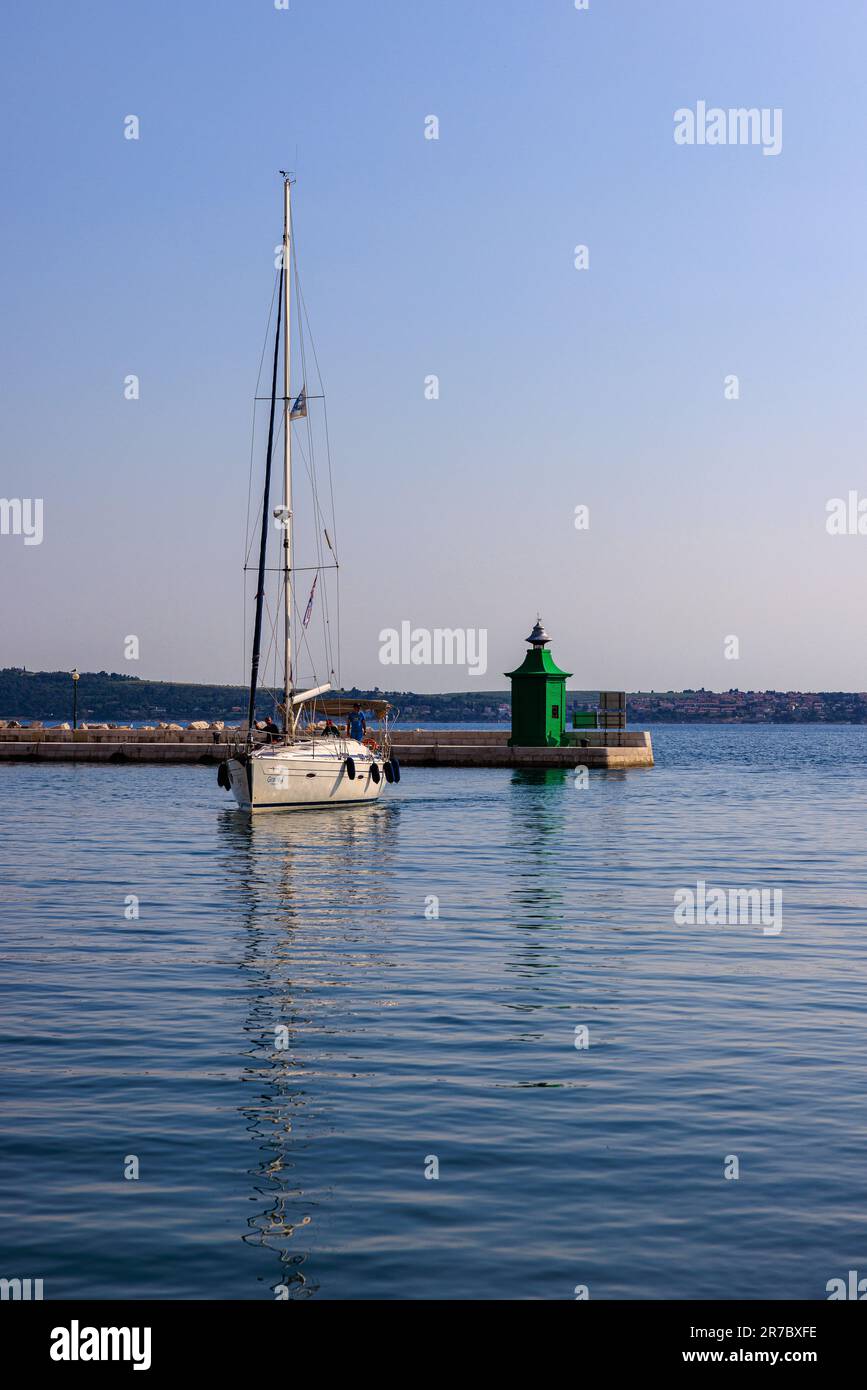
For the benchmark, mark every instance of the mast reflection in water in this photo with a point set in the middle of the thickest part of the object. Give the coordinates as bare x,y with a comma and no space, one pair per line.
294,869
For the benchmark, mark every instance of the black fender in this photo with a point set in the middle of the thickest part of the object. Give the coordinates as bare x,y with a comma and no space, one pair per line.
374,771
395,767
223,778
350,769
387,769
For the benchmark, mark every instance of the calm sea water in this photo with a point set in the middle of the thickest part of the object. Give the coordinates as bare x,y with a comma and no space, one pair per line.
411,1038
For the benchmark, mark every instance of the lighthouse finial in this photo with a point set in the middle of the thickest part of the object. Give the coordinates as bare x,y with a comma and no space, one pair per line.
538,637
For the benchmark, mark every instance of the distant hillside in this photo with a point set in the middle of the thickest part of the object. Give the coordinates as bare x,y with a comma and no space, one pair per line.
108,697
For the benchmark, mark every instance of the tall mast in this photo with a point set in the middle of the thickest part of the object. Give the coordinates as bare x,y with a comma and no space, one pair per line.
287,455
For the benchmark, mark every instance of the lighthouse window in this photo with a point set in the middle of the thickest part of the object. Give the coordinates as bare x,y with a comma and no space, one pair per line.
555,711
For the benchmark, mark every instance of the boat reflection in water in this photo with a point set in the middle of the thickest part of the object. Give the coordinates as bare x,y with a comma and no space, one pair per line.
312,892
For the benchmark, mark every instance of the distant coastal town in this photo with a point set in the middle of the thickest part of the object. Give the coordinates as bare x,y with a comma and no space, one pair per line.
748,707
102,696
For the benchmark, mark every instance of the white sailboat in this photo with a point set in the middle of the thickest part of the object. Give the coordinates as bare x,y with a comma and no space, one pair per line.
310,762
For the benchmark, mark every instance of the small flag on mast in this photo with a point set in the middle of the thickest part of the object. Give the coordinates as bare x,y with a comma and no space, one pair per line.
309,609
299,409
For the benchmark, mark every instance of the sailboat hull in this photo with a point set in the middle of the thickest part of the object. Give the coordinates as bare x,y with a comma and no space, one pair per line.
304,776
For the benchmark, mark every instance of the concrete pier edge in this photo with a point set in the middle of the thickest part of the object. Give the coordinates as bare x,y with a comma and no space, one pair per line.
415,748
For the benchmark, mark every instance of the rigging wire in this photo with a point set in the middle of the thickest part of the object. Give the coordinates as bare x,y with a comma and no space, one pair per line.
330,472
310,465
253,431
247,533
321,565
301,637
263,536
304,321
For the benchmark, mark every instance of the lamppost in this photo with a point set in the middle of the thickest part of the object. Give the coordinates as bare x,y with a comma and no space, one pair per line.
75,679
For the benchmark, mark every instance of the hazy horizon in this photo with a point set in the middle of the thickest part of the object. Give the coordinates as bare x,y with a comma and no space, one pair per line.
558,387
467,689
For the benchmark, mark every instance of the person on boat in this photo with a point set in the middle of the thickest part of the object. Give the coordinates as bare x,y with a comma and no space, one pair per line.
271,730
331,730
356,725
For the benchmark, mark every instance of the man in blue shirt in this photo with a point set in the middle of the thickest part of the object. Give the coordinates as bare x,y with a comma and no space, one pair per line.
356,727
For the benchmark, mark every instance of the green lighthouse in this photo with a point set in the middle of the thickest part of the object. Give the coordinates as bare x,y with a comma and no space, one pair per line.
538,696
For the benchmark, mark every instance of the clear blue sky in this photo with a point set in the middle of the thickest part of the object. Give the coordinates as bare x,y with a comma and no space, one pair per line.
454,257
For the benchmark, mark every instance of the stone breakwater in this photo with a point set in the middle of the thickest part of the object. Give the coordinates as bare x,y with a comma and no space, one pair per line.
211,743
217,725
198,742
591,748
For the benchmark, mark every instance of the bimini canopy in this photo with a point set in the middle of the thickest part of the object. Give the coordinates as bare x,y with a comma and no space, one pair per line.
341,706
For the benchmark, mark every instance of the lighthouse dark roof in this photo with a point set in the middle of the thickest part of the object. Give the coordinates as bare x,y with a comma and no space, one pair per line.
538,662
538,637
